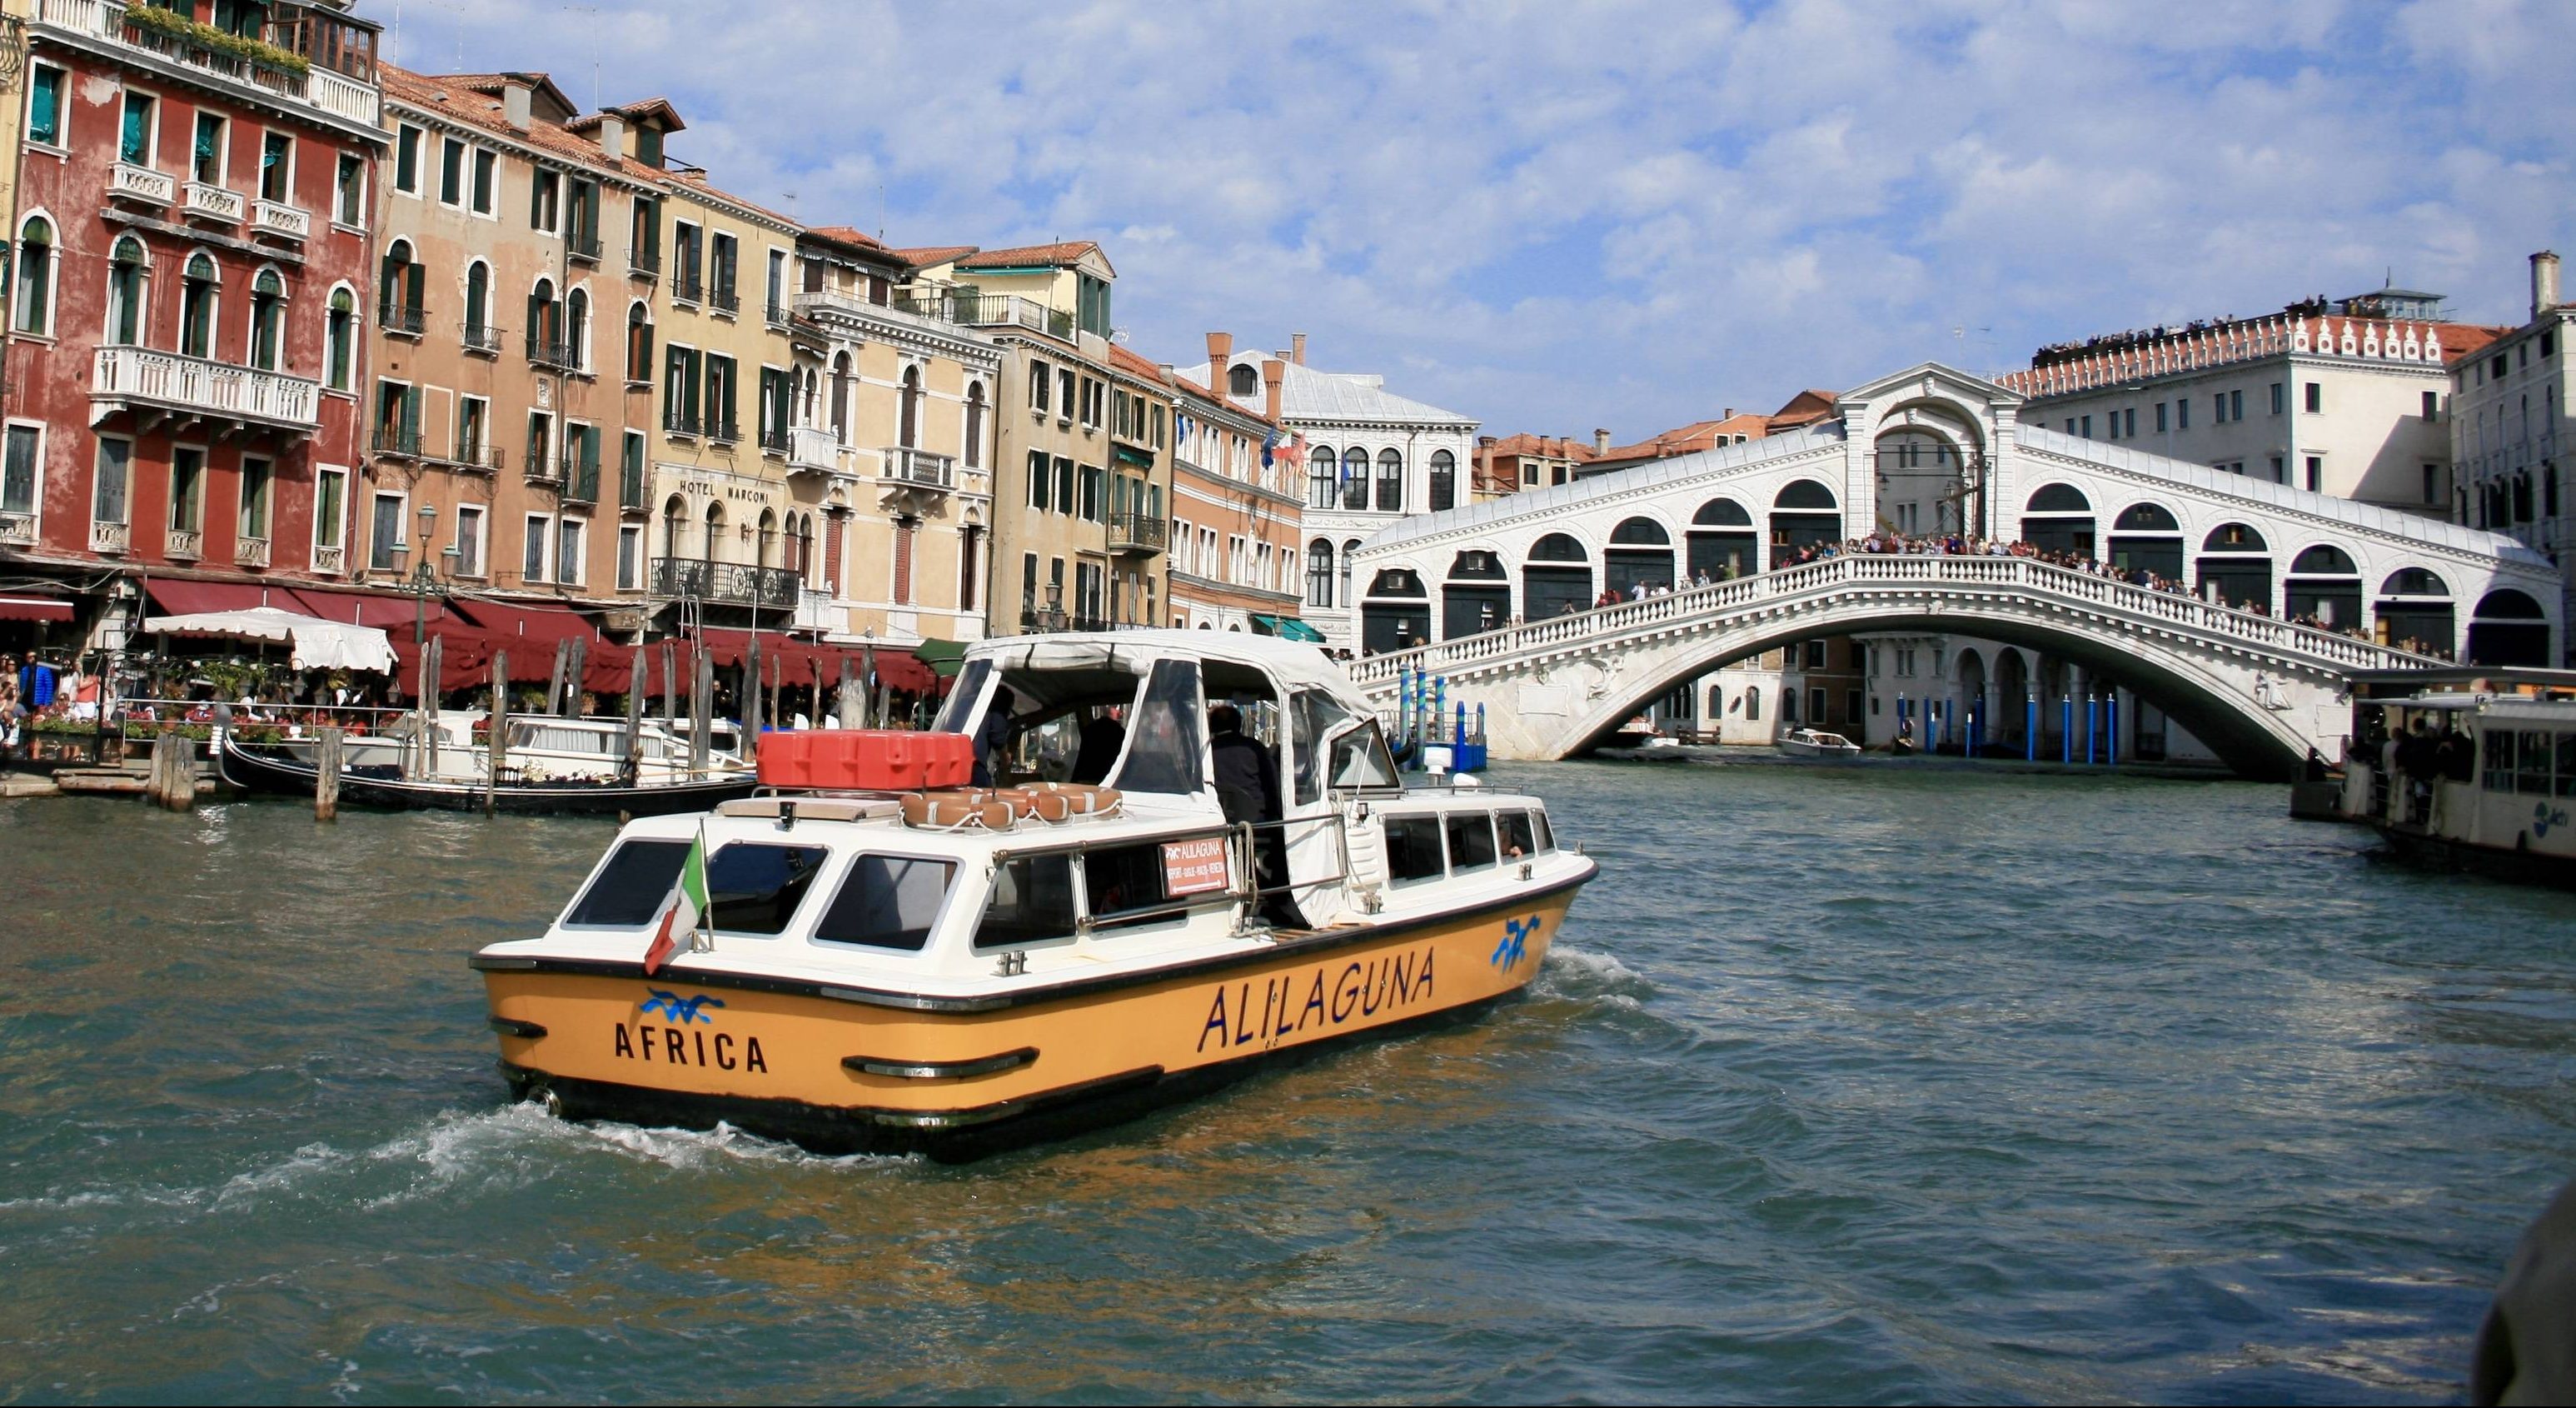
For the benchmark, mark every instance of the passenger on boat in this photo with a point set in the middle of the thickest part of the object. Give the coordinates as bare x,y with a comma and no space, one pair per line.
993,740
1097,751
1247,787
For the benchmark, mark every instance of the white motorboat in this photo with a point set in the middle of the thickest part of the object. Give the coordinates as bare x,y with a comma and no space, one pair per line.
1816,743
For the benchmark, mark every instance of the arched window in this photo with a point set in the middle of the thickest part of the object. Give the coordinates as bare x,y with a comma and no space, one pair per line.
675,516
1355,477
715,532
340,339
1641,531
807,560
2324,559
1444,481
2145,518
1557,547
545,329
478,307
197,307
1321,467
1390,482
127,267
2508,628
1753,704
1804,493
267,319
767,547
399,289
1478,565
1397,581
909,430
576,328
2059,498
974,456
639,344
2414,581
1723,544
2233,537
1243,381
1721,513
841,398
1349,549
36,276
1319,571
2324,586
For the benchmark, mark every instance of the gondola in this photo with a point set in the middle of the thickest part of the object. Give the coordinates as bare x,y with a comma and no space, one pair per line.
273,770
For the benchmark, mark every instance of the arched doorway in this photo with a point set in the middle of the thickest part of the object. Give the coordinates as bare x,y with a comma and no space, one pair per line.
1640,552
1556,580
1478,595
1920,486
1804,514
1722,543
1972,705
1397,612
2147,538
2059,519
2012,691
2508,628
2325,587
2235,568
2415,612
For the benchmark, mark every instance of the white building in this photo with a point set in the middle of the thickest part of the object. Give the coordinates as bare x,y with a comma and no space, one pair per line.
2340,398
1371,458
2509,427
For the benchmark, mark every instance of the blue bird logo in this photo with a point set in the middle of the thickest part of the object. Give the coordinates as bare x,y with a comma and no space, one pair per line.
681,1010
1515,942
2542,819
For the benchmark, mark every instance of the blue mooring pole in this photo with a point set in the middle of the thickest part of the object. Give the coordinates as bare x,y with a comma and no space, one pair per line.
2111,734
2030,728
2092,721
1461,737
2066,729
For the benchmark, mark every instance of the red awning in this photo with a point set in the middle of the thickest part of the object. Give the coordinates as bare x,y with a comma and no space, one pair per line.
182,598
34,608
536,623
389,612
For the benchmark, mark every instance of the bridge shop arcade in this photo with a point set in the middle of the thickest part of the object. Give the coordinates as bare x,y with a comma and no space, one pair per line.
1926,452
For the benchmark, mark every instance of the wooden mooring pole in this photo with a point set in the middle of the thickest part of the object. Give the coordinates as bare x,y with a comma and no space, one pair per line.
326,776
499,742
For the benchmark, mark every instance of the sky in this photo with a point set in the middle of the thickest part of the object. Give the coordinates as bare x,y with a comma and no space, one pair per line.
1559,216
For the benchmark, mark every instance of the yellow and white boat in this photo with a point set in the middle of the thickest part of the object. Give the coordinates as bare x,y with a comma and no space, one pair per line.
954,971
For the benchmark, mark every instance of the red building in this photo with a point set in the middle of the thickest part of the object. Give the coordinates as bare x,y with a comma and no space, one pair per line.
189,281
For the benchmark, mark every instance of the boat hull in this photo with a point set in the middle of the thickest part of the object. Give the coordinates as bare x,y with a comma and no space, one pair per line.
840,1070
2432,852
276,773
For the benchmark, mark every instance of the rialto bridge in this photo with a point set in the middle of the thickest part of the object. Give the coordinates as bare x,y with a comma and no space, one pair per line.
1503,590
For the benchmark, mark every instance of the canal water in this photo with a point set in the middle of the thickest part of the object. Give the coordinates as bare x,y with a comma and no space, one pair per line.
1843,1084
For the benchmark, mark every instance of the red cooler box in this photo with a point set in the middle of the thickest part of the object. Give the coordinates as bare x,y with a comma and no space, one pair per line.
866,759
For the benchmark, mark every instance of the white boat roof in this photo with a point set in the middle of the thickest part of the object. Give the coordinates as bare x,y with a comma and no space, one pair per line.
1295,664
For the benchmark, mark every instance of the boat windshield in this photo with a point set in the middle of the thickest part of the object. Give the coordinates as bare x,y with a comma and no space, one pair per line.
631,887
1360,758
958,714
1165,752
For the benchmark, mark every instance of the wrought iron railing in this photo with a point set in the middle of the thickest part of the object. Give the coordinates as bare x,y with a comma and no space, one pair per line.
400,320
1136,532
727,582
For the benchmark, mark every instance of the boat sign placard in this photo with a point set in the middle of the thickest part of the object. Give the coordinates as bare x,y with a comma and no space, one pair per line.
1193,867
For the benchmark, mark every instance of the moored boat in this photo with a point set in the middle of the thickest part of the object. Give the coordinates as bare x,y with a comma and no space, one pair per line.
901,962
553,766
1815,743
2478,777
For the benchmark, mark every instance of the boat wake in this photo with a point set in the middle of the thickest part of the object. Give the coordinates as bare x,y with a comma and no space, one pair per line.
454,1154
1576,975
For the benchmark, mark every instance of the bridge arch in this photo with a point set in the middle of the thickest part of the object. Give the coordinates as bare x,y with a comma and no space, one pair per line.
2058,517
2147,537
1804,513
1640,553
2323,585
1396,613
2508,628
2235,567
1556,578
1721,542
1477,594
2415,612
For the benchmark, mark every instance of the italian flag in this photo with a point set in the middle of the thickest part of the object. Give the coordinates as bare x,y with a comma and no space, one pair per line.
680,914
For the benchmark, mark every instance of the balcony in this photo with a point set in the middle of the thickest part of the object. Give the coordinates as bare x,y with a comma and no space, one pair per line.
679,422
778,315
476,459
399,321
994,310
644,264
727,582
545,473
395,442
918,468
773,440
17,530
724,432
268,217
582,246
725,301
158,384
107,537
184,543
250,552
330,560
562,356
141,183
580,480
1136,532
686,288
211,202
483,338
185,51
813,450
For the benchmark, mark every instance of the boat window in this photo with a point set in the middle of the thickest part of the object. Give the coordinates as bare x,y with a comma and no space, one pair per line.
2567,765
954,715
556,738
888,902
2532,774
631,887
755,888
1539,828
1164,750
1519,841
1032,903
1471,841
1413,849
1123,885
2497,747
1360,759
1313,715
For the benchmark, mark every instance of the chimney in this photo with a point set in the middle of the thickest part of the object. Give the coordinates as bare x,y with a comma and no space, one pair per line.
2544,283
1273,373
1600,441
1220,352
1730,414
1297,348
515,98
612,135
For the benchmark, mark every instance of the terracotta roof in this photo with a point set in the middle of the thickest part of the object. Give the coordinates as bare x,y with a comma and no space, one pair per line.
924,255
1562,447
846,234
1062,252
2461,339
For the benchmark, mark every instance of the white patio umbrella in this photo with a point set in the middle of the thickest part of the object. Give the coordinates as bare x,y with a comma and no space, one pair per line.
317,644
